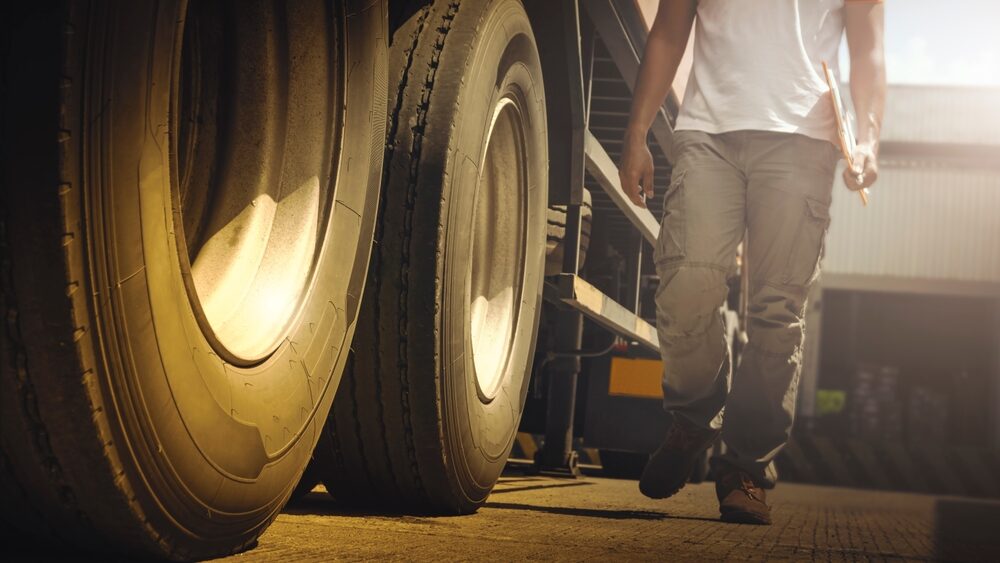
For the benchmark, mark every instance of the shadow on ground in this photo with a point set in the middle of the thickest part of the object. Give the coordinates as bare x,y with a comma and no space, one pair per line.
596,512
319,503
500,489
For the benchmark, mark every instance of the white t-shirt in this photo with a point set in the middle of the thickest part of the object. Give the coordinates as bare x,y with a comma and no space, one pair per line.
758,64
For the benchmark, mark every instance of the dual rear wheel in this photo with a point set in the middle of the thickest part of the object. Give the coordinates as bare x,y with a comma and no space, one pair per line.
190,194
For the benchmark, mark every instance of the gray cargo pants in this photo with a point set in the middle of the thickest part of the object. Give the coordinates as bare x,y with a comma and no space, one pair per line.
776,187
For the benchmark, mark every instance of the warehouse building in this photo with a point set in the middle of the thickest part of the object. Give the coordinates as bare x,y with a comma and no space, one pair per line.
904,326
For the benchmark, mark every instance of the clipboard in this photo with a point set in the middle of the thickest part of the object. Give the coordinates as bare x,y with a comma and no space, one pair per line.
845,132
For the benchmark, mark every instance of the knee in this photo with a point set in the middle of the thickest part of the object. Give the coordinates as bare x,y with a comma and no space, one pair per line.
688,298
776,317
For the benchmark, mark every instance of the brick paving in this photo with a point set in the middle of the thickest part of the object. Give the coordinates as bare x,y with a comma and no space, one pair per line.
603,519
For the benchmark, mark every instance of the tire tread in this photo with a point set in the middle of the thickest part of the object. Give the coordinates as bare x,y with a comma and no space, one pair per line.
395,476
69,520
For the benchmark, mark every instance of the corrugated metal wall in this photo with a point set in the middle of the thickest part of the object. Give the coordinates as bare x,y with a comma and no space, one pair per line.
923,222
941,114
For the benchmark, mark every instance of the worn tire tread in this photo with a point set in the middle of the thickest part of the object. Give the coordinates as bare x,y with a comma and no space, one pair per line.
373,455
63,517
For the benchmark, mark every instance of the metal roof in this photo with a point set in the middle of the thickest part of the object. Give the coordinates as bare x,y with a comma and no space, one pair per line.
942,115
930,223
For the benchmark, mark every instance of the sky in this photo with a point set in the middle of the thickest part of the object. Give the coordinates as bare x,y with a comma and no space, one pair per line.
955,42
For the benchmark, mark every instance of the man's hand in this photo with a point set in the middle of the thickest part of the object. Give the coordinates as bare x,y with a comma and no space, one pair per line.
864,172
864,23
636,170
664,48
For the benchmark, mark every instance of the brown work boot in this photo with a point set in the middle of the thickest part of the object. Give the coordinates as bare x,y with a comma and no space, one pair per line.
741,500
671,464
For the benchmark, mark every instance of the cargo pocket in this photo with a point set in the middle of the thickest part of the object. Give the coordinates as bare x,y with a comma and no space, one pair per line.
670,241
808,246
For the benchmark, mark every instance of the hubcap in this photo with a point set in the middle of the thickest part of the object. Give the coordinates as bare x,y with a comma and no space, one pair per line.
256,133
498,252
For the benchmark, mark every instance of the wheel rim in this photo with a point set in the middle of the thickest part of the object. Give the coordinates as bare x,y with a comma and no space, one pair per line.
498,254
256,132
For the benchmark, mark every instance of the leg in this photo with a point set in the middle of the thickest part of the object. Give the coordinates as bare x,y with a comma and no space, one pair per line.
788,196
702,225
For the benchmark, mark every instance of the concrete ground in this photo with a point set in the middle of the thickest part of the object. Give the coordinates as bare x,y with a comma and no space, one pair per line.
530,517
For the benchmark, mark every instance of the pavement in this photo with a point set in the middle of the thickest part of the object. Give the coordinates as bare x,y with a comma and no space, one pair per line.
592,518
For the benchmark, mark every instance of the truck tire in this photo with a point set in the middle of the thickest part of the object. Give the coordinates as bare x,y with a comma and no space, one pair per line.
555,244
189,193
432,397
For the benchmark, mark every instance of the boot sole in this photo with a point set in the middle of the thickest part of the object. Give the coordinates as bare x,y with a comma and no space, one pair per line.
658,495
651,473
652,487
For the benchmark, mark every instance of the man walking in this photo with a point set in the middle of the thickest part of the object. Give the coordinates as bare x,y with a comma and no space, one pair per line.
753,152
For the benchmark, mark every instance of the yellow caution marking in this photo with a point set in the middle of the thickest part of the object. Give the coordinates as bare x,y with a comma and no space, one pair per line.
636,378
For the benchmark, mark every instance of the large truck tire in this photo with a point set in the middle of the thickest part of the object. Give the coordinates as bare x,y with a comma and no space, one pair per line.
432,397
189,195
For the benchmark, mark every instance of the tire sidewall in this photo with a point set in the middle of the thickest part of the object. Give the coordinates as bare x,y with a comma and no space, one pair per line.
503,62
216,448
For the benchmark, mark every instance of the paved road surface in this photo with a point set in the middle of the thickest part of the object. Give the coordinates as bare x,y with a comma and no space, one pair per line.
604,519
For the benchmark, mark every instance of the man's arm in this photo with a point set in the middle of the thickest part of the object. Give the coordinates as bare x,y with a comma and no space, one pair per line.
664,49
864,23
